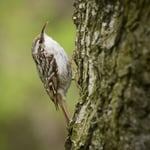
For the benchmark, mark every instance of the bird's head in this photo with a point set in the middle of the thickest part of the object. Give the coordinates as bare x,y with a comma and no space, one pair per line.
39,40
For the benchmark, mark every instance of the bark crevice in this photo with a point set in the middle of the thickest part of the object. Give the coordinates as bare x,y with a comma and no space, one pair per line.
113,62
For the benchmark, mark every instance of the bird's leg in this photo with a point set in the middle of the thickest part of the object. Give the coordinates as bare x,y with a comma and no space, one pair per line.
74,77
70,65
71,60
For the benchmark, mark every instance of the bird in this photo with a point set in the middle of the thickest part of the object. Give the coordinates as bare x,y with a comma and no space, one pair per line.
54,69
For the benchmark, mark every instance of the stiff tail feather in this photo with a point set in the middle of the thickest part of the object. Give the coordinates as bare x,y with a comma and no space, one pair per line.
64,108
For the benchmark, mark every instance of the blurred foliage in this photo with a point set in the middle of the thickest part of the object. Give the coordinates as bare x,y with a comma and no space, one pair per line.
28,119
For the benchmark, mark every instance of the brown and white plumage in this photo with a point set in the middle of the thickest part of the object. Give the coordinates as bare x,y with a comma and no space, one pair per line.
54,69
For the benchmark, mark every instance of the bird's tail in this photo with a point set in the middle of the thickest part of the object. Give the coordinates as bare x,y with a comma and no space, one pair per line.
64,108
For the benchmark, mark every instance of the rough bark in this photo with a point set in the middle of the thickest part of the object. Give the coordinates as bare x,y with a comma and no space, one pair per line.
113,63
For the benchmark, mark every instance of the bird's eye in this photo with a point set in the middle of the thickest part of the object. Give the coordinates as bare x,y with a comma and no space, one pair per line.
40,41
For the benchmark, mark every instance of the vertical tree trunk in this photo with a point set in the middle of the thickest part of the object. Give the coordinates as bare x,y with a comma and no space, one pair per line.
113,62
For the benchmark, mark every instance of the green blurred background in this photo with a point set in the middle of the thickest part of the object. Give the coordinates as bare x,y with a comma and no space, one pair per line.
28,119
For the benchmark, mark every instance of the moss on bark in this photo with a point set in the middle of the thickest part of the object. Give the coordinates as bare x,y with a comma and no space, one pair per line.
113,62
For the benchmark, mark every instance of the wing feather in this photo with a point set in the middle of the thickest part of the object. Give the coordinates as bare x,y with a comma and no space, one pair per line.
49,75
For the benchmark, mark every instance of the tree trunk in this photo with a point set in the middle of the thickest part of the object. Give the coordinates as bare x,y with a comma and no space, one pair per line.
113,63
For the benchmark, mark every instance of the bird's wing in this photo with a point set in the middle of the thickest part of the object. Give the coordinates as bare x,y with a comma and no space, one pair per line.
50,76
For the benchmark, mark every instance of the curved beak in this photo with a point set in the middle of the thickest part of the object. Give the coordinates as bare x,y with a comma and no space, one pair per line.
42,32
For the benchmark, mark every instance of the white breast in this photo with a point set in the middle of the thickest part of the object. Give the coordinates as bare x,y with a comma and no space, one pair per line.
52,47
